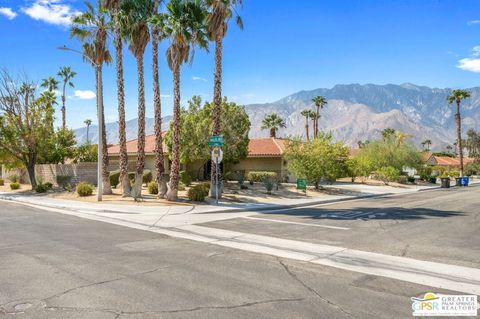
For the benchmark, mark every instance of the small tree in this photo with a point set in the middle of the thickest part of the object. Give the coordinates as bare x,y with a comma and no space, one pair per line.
316,159
388,174
358,166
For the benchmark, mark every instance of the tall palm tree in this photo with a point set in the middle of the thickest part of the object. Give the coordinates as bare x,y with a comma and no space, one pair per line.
135,27
66,74
426,145
319,102
114,8
273,122
220,12
458,96
314,117
449,148
184,25
388,133
88,122
157,105
50,83
91,28
307,114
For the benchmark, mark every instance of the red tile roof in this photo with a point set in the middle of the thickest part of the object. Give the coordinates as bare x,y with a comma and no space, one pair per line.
451,161
258,147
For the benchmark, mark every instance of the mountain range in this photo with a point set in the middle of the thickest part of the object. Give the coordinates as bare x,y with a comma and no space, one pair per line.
354,112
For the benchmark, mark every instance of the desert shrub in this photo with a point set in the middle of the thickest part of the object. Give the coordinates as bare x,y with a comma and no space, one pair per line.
453,173
41,188
14,185
2,182
186,178
147,176
425,172
68,187
181,186
472,169
388,174
13,178
49,186
269,184
63,180
206,185
84,189
114,178
402,179
197,193
259,176
153,188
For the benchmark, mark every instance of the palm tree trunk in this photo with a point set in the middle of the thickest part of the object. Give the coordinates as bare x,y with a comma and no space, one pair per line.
459,137
141,129
217,112
88,138
107,190
306,128
316,120
124,181
172,193
273,132
64,116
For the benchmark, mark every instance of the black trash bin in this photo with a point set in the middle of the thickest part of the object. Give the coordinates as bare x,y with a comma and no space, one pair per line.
458,181
445,182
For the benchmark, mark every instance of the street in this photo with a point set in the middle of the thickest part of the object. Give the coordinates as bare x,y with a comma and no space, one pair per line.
58,266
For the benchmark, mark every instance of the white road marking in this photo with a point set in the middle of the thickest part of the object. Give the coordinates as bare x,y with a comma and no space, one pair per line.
295,223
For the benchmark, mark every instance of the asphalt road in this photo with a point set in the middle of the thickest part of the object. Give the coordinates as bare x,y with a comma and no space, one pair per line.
58,266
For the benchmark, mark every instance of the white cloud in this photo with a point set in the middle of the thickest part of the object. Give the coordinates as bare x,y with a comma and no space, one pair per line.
472,63
197,78
165,96
472,22
54,12
84,95
8,13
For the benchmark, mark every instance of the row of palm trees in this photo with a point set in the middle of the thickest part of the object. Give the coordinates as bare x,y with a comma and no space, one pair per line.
186,24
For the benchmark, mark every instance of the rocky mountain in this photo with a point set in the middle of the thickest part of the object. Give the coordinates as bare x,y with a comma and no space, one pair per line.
355,112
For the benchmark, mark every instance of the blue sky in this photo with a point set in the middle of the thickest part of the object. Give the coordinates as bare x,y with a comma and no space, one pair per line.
286,46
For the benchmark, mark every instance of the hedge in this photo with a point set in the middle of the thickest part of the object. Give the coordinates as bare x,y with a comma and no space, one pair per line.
197,193
260,176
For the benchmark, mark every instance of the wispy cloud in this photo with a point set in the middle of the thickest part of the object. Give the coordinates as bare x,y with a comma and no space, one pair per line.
197,78
471,63
55,12
472,22
165,96
8,13
84,95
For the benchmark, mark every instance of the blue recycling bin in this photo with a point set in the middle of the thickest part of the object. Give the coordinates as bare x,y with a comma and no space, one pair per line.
465,181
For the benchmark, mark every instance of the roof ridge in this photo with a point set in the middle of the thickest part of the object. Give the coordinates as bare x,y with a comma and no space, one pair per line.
277,145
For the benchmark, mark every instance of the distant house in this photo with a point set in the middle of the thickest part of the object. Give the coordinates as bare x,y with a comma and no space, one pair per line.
445,161
264,154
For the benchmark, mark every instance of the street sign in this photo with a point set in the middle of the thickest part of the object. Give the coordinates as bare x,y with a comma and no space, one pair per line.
217,155
216,140
301,184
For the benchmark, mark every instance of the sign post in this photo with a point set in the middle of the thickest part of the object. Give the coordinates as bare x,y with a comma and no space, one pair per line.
217,157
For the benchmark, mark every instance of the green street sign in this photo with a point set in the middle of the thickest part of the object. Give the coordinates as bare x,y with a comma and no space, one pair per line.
301,184
216,140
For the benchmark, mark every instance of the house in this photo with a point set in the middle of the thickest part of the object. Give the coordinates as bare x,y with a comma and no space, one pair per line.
264,154
446,161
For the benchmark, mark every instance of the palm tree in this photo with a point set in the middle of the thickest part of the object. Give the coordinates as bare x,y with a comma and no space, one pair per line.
184,25
307,114
388,133
314,117
135,27
114,8
449,148
157,105
457,96
319,102
88,122
49,99
91,28
220,12
426,145
273,122
50,83
66,74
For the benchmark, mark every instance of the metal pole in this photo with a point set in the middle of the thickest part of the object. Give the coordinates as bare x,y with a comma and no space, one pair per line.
100,137
216,180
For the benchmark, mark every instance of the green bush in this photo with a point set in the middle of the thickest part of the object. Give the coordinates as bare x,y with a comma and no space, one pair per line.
114,178
63,180
84,189
206,185
41,188
425,172
259,176
411,179
153,188
197,193
14,185
388,174
269,184
13,178
68,188
181,186
49,186
186,178
147,176
2,182
402,179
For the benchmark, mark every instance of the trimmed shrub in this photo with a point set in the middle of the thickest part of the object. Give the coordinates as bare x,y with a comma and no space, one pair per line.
84,189
114,178
197,193
186,178
147,176
13,178
14,185
63,180
2,182
153,188
388,174
259,176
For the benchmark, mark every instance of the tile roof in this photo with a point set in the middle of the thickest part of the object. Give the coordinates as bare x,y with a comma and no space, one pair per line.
257,147
451,161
